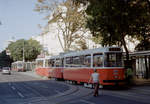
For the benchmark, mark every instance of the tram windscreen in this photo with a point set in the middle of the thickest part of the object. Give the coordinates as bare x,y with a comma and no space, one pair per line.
113,60
20,65
40,63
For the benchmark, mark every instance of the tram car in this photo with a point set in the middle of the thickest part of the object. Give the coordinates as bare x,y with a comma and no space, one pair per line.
18,66
78,66
107,61
42,68
56,64
21,66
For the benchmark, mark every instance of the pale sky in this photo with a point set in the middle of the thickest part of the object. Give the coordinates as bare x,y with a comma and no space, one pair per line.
19,20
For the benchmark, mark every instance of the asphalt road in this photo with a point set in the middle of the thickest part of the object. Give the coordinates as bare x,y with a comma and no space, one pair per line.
20,88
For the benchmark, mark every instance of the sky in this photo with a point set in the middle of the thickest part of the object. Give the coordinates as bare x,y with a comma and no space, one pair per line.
19,20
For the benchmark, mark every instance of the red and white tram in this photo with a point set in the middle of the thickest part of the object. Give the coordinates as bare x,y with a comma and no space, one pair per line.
107,61
56,64
18,66
78,66
42,68
22,66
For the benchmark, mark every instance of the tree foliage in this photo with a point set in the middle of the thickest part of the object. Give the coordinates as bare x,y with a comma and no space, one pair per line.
113,20
30,48
70,21
5,60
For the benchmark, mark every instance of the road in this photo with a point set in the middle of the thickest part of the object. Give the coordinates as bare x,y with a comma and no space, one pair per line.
21,88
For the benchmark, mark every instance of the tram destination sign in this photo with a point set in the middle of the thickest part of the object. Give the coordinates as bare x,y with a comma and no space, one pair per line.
114,49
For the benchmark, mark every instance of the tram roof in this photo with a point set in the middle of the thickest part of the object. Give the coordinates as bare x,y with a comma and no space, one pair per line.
91,51
84,52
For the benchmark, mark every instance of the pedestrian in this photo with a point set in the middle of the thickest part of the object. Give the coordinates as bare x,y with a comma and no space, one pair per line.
95,79
129,76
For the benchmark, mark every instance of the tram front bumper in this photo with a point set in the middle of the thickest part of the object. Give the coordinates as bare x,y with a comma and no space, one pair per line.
114,82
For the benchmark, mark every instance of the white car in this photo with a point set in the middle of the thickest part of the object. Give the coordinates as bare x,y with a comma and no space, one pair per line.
6,70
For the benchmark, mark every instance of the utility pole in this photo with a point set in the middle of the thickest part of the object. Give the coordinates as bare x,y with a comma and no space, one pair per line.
23,52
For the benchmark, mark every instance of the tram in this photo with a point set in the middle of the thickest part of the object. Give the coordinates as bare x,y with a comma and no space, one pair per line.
21,66
18,66
78,66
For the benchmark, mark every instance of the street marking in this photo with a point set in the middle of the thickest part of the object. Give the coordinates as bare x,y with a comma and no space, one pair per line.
9,84
20,94
59,92
88,102
13,87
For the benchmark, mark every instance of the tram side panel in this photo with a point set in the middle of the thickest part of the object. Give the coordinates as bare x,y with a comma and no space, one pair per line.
112,76
47,72
43,71
77,74
56,73
107,76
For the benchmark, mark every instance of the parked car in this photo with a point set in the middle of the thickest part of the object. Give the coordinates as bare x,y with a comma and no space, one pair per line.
6,70
0,68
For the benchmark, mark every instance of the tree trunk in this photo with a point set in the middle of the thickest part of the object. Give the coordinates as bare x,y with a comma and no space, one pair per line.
126,49
60,41
149,66
148,4
146,75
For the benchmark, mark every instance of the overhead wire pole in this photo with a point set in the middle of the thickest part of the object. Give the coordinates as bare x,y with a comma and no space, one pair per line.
23,52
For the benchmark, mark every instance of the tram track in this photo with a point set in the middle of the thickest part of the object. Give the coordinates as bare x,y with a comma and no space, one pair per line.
73,94
31,95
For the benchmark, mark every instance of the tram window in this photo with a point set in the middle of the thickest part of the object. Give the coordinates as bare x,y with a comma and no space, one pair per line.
40,63
97,60
82,61
62,62
76,61
69,61
20,65
113,60
58,62
119,61
51,63
87,60
46,63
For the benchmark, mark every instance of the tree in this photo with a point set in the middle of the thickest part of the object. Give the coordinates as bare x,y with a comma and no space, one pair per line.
29,49
70,20
113,20
80,45
142,31
5,60
46,6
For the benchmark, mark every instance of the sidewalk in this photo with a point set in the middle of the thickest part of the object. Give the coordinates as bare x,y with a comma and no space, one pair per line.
141,82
